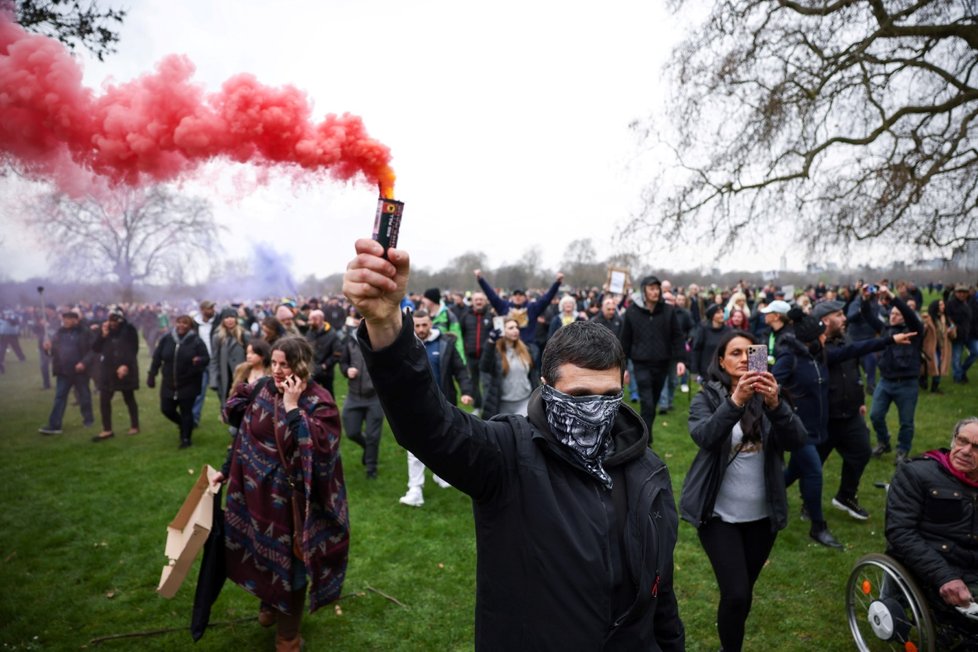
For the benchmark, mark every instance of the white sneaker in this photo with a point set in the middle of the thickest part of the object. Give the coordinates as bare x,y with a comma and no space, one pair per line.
684,388
413,498
441,483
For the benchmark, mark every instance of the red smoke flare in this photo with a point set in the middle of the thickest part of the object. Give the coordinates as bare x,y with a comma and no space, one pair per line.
161,126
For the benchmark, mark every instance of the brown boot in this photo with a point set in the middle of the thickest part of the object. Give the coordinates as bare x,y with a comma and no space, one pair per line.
287,637
288,644
266,615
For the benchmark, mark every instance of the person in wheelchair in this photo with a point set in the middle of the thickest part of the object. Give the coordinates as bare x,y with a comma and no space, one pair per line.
932,523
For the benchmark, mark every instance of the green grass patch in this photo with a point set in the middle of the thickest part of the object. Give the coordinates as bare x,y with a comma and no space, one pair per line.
83,526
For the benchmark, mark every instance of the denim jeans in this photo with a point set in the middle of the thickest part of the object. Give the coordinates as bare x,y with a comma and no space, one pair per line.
805,466
869,363
63,385
633,385
904,393
668,395
199,401
959,368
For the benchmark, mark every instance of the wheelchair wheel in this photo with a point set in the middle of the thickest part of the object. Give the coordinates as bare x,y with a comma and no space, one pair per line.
885,608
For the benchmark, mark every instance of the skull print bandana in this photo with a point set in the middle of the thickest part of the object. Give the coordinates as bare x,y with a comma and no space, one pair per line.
583,425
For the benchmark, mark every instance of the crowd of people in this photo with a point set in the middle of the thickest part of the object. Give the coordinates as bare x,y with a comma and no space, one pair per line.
530,365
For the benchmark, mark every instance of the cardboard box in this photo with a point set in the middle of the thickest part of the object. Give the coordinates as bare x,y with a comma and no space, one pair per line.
187,533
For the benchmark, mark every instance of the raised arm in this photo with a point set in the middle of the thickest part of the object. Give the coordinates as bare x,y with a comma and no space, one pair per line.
537,306
501,307
463,449
376,285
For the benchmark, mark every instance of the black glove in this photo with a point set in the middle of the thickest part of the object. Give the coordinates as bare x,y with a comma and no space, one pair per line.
494,335
151,381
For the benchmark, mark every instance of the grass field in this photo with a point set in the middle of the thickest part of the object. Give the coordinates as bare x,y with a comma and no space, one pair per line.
82,528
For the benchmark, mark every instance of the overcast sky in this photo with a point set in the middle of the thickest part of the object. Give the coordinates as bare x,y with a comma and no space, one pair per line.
508,122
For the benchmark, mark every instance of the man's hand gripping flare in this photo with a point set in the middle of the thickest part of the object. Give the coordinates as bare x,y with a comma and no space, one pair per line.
375,286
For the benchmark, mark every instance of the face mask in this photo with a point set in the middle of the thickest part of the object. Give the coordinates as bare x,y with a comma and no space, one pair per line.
583,424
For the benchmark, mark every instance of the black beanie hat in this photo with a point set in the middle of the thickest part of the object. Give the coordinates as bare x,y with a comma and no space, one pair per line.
807,328
433,295
712,310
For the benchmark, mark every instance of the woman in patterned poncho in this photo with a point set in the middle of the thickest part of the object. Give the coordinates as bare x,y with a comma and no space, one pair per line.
290,411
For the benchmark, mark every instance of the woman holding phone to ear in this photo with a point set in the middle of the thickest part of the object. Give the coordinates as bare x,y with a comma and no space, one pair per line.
286,500
734,493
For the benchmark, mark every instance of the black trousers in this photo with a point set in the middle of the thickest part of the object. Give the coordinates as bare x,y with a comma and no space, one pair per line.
849,436
472,363
737,552
105,407
362,421
651,377
180,411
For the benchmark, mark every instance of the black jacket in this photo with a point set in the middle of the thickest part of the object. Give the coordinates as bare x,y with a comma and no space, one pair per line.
846,391
932,522
491,378
903,362
183,360
120,347
476,327
547,539
711,420
805,377
652,336
326,352
705,344
614,324
973,304
959,312
69,346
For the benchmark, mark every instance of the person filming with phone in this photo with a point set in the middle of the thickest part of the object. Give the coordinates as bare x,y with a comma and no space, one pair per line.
734,493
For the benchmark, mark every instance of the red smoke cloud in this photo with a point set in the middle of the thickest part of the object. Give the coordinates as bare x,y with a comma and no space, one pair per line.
162,125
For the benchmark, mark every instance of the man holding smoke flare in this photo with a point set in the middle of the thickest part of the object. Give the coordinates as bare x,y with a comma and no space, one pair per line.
575,518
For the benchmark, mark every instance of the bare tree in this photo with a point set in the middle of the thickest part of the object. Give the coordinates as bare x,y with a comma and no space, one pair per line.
73,22
841,120
136,235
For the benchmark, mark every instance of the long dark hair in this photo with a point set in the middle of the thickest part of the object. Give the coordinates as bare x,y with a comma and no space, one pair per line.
934,310
750,423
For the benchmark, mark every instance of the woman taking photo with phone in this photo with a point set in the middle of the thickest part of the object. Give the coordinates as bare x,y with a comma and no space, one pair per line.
286,521
734,493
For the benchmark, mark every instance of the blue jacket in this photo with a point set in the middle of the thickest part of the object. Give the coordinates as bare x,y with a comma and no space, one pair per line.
531,310
804,377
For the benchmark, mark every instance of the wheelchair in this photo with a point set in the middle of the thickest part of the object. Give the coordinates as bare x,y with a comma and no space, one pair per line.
887,610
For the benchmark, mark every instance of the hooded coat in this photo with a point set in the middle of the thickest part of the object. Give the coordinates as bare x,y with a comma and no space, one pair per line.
183,360
562,562
652,336
120,347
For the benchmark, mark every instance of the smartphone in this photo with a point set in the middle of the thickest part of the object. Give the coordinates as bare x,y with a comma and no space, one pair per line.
757,357
498,323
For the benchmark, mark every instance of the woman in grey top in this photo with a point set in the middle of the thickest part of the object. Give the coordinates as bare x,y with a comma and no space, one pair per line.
508,376
734,493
